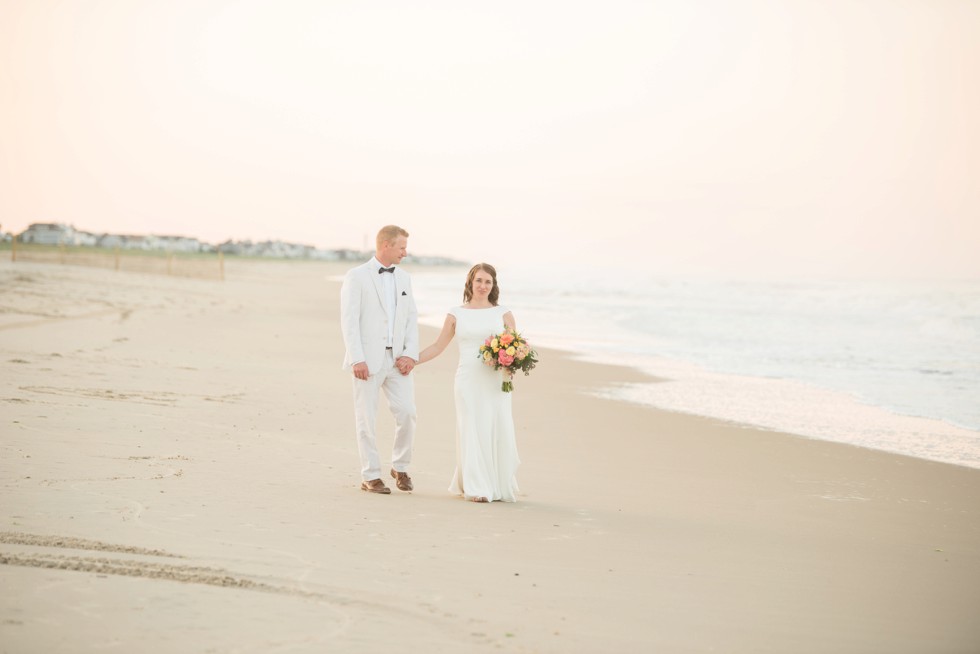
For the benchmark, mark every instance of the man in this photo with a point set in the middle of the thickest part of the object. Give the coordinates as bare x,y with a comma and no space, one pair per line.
381,334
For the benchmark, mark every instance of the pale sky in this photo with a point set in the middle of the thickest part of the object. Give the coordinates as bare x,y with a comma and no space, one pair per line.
818,137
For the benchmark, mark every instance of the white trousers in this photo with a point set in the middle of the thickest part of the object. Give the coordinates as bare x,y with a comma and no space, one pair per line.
400,392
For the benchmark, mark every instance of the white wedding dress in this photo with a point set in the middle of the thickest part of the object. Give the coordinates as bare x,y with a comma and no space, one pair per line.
486,449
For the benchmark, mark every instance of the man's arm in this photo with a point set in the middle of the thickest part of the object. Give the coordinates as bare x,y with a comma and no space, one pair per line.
410,355
412,327
350,320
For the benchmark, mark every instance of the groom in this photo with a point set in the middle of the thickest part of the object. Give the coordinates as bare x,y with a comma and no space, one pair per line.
381,334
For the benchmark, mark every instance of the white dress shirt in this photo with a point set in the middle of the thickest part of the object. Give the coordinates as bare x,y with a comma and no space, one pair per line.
391,299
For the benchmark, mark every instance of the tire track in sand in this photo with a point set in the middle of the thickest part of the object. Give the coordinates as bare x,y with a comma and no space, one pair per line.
128,567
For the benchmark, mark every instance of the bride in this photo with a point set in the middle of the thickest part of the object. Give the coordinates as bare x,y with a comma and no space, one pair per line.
486,449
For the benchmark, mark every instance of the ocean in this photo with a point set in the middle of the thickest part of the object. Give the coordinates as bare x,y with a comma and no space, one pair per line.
893,366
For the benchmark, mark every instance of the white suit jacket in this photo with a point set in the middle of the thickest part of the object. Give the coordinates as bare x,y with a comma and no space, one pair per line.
364,317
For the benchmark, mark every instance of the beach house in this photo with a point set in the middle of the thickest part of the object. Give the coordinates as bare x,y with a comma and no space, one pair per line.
56,234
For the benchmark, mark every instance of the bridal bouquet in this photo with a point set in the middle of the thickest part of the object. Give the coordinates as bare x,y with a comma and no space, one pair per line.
511,352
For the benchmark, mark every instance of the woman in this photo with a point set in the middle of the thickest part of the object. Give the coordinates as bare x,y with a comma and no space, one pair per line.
486,450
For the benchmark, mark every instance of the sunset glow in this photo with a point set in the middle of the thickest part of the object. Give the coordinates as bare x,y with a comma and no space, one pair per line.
833,138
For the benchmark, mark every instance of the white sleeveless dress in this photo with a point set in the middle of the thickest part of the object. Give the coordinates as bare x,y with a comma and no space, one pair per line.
486,448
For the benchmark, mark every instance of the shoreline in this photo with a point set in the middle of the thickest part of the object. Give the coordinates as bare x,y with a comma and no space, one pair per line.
771,402
884,419
881,428
212,422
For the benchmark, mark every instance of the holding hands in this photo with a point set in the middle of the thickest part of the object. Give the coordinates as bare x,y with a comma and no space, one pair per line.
405,365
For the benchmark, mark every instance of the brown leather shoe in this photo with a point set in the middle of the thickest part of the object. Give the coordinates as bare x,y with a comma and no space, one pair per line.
375,486
402,480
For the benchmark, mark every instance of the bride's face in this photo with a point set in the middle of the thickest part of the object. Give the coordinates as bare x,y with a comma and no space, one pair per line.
482,284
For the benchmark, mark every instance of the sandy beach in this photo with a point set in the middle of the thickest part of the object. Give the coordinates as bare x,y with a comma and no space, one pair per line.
179,474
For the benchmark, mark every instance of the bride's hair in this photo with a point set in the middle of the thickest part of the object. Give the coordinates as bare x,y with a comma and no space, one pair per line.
468,289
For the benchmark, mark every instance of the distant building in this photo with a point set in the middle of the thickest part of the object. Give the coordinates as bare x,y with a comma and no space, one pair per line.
353,255
163,243
432,261
272,249
325,255
122,241
175,243
62,234
56,234
45,234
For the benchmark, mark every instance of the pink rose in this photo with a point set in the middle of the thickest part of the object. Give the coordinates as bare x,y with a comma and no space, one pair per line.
487,342
505,359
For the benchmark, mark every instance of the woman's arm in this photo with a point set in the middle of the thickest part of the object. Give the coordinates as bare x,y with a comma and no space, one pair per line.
446,335
509,321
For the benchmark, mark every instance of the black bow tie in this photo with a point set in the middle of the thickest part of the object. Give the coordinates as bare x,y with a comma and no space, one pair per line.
384,270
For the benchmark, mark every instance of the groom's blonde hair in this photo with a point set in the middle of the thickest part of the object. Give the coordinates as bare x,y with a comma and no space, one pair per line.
389,233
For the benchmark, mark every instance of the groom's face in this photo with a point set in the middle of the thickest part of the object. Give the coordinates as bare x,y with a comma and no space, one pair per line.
395,251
